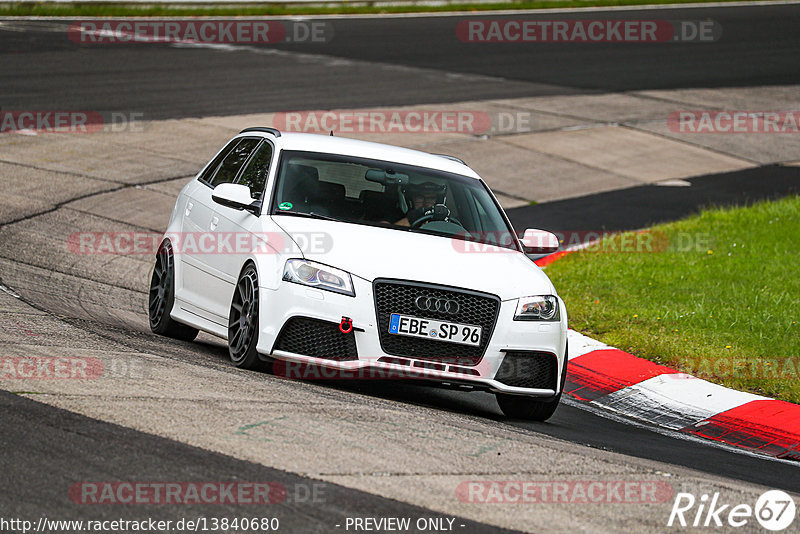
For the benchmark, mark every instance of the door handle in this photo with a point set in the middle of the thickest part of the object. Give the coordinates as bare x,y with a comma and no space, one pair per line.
189,206
214,222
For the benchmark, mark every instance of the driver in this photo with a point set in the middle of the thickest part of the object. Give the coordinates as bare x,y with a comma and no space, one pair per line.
419,199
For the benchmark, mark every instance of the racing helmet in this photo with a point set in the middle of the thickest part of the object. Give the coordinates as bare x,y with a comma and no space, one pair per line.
410,190
428,189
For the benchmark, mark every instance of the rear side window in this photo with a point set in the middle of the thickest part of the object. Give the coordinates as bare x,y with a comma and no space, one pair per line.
212,167
232,163
255,174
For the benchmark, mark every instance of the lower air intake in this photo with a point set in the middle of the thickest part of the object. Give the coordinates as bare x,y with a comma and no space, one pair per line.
316,338
524,369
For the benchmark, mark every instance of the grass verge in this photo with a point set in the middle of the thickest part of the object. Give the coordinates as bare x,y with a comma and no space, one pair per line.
98,9
718,296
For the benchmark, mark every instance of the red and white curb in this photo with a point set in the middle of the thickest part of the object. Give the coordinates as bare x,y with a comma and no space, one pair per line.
638,388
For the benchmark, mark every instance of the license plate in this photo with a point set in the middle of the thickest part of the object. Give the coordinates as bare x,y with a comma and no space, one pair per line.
405,325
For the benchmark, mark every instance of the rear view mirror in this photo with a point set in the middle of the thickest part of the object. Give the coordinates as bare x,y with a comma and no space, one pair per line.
386,177
539,242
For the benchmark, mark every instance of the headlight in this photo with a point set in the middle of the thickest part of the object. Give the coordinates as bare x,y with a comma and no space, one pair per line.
537,308
309,273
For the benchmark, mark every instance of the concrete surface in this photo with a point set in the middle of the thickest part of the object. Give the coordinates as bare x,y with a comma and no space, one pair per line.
592,143
401,450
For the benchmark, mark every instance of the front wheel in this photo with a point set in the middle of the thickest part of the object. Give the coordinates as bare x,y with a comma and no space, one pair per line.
531,408
519,407
243,321
162,298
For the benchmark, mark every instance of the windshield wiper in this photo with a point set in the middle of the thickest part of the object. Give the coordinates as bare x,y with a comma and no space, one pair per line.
310,215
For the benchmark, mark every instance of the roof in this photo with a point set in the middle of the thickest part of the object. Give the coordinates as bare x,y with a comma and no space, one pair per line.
353,147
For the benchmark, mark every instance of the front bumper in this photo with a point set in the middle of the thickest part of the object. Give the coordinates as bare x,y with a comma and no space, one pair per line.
539,339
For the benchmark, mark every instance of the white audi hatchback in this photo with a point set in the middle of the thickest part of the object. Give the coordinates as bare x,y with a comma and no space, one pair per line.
349,259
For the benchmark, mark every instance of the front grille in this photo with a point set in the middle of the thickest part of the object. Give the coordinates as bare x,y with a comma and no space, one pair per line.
395,296
528,370
317,338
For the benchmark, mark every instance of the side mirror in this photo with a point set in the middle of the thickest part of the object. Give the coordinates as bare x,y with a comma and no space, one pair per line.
236,196
539,242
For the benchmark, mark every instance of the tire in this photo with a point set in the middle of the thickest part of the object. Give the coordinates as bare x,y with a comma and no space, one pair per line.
243,321
162,298
531,408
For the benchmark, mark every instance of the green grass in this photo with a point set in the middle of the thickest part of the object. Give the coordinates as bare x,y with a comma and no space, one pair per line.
78,9
720,300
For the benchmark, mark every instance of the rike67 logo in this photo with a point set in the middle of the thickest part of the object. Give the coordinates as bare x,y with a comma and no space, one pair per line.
774,510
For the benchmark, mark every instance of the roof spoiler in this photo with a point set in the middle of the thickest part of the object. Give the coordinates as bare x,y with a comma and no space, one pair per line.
452,158
265,129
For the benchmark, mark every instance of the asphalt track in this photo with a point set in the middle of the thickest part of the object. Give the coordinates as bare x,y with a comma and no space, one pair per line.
45,468
43,69
571,422
39,438
386,61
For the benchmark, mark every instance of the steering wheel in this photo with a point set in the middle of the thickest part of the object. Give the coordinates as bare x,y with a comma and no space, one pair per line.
434,216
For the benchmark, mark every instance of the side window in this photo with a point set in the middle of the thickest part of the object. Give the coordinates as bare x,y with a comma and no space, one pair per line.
233,162
212,167
255,174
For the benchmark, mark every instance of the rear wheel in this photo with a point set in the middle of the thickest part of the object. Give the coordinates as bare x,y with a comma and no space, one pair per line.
243,321
531,408
162,298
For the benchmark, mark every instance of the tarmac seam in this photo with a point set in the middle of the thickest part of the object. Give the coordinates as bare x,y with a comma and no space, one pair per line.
57,171
64,203
751,162
111,219
579,163
72,275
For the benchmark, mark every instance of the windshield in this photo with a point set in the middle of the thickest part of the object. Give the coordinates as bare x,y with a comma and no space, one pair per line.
393,195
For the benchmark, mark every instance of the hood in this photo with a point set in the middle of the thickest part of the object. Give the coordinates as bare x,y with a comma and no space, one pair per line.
370,252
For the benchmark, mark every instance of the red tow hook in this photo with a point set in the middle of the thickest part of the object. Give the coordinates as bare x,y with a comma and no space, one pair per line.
346,326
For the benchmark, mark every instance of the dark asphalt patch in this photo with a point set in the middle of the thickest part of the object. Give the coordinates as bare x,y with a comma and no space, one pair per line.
646,205
47,450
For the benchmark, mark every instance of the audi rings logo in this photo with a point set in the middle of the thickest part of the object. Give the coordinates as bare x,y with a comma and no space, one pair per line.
437,305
